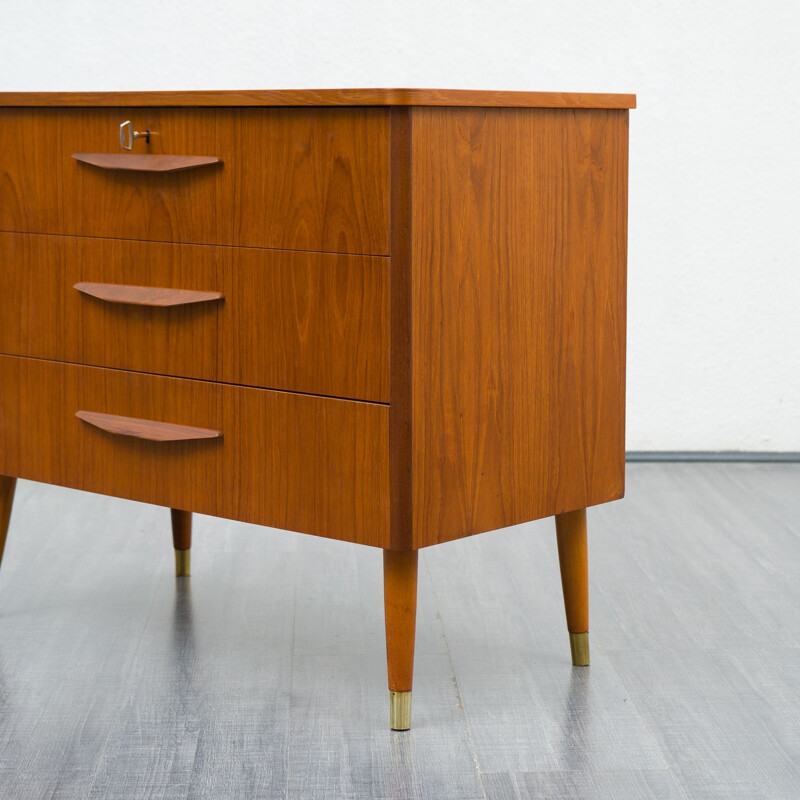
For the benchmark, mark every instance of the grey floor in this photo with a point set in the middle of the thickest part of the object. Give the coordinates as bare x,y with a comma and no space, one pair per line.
263,675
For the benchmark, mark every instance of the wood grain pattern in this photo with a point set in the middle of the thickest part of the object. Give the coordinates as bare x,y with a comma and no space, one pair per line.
487,351
43,316
312,179
188,206
307,322
30,170
181,341
574,563
150,296
151,430
518,338
132,162
32,270
301,179
7,487
325,97
400,611
309,464
400,418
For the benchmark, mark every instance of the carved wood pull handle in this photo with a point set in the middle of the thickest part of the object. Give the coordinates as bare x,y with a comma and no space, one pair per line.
146,295
146,428
145,163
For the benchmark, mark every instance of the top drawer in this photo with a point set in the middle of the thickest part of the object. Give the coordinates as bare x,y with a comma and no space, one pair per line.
289,178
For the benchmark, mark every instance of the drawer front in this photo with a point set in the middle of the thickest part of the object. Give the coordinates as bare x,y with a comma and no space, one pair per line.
297,178
307,322
30,170
310,464
184,206
297,321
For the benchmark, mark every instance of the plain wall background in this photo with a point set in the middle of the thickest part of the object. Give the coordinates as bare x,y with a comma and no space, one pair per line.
714,251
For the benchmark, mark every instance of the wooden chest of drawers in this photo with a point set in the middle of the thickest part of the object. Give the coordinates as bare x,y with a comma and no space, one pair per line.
393,317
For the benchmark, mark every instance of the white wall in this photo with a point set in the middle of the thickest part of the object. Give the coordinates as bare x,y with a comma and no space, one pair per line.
714,292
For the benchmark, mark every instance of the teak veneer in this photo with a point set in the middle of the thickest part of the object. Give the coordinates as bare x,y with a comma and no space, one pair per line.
394,317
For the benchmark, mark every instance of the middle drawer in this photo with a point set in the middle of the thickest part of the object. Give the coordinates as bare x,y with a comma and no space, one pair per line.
297,321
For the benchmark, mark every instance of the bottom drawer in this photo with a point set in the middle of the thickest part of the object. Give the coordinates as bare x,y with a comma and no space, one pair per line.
300,462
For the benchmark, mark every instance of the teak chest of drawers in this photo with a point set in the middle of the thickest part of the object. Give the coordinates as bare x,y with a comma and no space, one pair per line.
392,317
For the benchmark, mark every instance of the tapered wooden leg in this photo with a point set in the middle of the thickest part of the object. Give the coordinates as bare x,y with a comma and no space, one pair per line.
7,486
182,539
400,607
573,557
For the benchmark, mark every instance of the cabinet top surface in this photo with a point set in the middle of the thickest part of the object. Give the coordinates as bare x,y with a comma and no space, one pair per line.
324,97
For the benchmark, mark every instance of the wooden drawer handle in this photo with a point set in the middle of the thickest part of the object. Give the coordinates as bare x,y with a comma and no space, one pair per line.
146,428
145,163
145,295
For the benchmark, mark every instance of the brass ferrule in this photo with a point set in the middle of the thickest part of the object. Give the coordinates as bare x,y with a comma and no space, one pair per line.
183,563
579,645
399,711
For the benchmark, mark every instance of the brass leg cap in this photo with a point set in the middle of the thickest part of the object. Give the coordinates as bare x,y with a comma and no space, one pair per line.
399,711
183,563
579,644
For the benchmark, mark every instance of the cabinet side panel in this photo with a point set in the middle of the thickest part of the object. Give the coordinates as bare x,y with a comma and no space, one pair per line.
400,463
518,324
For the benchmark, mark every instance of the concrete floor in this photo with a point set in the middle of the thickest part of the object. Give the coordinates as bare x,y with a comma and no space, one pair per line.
263,675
